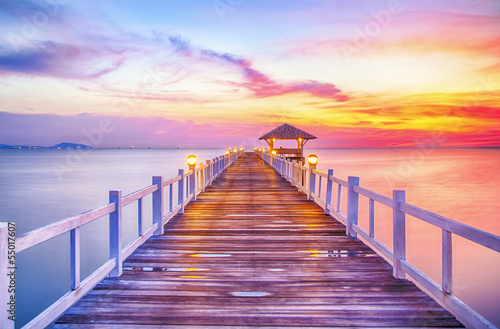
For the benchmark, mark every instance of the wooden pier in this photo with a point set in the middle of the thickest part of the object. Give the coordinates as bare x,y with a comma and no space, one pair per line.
252,251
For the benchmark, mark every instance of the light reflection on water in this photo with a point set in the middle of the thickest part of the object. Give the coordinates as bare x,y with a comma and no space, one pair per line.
457,183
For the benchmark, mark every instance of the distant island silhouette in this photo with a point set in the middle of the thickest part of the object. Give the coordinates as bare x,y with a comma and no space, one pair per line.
59,146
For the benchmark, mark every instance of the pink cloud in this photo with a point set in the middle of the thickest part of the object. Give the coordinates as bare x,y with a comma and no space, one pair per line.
412,30
260,84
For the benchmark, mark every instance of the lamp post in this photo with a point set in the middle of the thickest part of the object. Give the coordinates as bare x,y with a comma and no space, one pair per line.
191,161
313,161
300,146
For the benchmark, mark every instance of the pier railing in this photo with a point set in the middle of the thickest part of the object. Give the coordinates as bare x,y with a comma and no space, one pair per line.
309,180
188,184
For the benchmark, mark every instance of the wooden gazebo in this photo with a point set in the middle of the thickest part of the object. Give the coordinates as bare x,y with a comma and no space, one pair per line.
288,132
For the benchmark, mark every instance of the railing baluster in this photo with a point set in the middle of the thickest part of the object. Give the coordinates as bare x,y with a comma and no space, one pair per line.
300,179
180,192
352,205
447,262
171,197
319,187
399,233
371,218
329,188
193,183
312,182
158,205
206,175
339,195
115,232
139,216
75,258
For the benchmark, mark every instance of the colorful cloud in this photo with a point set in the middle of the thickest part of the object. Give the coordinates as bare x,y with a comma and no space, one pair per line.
371,74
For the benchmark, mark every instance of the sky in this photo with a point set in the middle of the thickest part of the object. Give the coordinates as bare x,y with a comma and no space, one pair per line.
221,73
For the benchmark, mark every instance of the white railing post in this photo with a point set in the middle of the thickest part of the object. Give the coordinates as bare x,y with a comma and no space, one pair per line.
352,205
171,197
75,258
212,169
180,192
192,182
399,233
158,205
447,283
140,214
371,218
215,163
300,182
7,279
312,182
329,190
216,167
206,175
115,232
339,197
294,173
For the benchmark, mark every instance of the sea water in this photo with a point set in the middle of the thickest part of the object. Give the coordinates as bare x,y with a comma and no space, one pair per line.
39,187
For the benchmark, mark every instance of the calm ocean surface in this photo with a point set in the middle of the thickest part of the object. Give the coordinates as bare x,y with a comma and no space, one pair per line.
38,187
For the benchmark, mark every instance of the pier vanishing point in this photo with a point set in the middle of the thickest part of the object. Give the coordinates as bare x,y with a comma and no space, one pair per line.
253,240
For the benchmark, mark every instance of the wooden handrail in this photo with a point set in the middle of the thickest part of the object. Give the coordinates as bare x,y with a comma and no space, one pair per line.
470,233
293,172
207,173
50,231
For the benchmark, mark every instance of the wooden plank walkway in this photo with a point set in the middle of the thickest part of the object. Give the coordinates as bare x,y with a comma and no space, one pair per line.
252,252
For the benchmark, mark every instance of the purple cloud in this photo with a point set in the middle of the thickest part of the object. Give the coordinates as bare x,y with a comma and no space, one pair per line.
60,60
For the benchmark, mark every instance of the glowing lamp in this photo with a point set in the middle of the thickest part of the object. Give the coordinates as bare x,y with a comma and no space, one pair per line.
300,139
242,148
273,152
227,152
235,150
274,139
191,160
312,159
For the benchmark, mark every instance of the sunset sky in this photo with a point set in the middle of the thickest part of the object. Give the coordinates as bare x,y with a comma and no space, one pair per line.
218,73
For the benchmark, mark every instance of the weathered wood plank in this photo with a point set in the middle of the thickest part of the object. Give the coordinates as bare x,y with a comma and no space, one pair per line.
252,252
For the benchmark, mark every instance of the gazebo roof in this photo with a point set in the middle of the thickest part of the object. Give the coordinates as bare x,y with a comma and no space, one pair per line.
286,131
